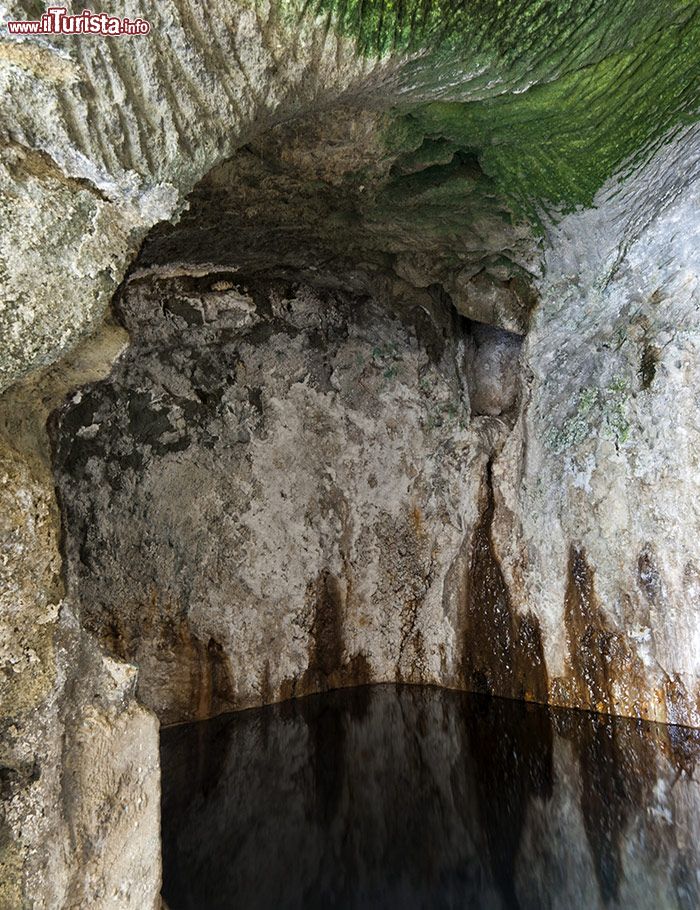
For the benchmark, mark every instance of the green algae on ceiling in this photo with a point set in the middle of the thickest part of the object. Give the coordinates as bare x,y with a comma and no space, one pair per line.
490,118
553,96
557,143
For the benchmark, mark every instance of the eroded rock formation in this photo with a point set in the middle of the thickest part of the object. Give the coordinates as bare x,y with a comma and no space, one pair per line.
80,772
437,518
598,482
272,492
351,188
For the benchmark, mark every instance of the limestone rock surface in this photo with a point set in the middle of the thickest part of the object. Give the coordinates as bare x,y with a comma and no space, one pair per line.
79,757
309,194
272,492
597,516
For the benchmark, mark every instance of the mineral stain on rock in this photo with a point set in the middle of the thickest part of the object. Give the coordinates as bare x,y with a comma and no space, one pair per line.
328,665
256,490
197,673
603,674
503,653
590,639
326,633
649,576
353,149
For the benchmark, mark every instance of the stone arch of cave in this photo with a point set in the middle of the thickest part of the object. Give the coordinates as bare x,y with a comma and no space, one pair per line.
277,490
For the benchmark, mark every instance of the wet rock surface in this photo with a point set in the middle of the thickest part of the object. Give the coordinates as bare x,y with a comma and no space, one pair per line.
465,504
271,493
596,517
413,797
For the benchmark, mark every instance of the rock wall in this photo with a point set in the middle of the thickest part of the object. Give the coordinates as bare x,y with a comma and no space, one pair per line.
79,766
457,517
363,155
596,503
273,491
102,139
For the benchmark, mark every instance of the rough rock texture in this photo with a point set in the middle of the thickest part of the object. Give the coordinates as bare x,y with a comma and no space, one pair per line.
79,769
411,797
597,517
356,148
101,140
272,492
354,195
539,565
128,127
494,370
80,777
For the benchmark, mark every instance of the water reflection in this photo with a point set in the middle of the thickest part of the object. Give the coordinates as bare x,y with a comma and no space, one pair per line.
390,797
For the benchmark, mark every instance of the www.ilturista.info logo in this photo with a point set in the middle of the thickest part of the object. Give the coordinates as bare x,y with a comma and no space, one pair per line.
58,21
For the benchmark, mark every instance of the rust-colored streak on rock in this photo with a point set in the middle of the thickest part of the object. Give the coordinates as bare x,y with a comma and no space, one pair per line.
328,625
649,577
596,652
530,665
503,650
326,652
358,672
679,703
217,694
329,667
590,639
604,674
195,677
681,746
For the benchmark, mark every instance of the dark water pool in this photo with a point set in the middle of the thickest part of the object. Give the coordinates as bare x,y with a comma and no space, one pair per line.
389,797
